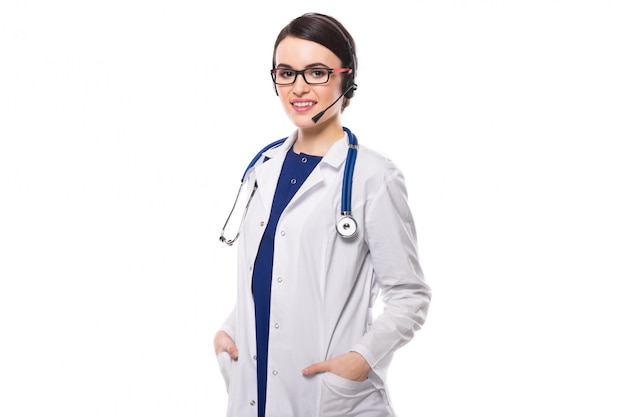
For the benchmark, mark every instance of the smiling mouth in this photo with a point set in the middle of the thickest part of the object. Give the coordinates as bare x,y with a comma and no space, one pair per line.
303,104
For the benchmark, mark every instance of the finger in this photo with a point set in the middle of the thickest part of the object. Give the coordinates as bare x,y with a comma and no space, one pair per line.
233,351
228,345
316,368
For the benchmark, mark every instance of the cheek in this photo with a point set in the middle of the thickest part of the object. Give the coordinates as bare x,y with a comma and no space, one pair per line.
284,99
331,94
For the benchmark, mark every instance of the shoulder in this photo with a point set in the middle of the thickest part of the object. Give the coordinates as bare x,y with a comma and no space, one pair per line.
373,164
376,175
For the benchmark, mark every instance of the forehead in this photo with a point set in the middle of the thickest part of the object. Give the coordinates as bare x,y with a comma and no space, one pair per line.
298,53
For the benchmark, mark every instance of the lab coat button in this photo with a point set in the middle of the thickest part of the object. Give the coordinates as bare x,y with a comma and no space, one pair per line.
252,402
262,224
254,357
282,233
279,279
274,372
276,325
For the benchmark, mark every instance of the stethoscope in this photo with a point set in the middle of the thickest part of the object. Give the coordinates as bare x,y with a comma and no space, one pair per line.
346,224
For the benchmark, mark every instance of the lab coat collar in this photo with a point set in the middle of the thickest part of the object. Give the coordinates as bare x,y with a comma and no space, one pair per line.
335,156
282,149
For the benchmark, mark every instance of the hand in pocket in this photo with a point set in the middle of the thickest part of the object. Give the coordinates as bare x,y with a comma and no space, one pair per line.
350,366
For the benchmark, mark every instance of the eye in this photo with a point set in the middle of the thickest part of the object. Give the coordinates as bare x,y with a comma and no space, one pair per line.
318,72
285,73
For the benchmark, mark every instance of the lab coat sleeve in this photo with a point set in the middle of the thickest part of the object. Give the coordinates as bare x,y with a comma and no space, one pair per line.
391,237
230,325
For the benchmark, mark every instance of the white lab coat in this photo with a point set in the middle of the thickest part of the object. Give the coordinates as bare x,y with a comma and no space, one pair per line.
324,288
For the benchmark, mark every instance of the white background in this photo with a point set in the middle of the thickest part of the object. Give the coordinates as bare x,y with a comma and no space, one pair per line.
125,127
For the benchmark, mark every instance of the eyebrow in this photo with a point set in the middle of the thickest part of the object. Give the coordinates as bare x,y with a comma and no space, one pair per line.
314,65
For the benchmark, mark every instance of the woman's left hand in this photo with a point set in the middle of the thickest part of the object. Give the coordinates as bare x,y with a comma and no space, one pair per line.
350,366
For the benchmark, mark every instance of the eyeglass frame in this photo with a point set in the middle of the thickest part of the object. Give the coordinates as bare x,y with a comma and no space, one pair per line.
331,71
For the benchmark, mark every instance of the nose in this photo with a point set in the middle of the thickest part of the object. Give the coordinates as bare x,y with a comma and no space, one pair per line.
299,85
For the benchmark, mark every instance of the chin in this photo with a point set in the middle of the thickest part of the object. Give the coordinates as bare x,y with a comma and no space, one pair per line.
302,121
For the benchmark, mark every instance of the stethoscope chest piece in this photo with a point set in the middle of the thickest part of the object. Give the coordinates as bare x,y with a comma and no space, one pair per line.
346,226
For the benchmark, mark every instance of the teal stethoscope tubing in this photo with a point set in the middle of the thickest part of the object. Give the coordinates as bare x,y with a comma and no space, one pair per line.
346,225
348,173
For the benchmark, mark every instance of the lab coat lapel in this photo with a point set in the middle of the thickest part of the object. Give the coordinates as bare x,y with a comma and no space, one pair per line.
267,173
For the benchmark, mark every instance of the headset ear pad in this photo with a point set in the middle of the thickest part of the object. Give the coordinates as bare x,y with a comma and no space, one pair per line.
349,81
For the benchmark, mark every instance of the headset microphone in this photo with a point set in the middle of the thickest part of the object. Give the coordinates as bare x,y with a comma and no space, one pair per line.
320,114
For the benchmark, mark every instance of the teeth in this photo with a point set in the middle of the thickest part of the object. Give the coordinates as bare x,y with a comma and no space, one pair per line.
303,104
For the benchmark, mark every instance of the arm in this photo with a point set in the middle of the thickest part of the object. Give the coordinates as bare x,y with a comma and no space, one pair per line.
391,237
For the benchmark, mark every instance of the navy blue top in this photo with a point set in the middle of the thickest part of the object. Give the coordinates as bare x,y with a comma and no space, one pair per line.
295,171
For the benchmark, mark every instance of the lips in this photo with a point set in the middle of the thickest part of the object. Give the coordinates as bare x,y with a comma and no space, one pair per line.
302,105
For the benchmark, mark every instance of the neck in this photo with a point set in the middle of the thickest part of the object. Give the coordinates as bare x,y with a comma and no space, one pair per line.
319,139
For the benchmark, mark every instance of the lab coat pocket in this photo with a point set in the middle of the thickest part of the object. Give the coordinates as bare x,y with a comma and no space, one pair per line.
225,362
345,398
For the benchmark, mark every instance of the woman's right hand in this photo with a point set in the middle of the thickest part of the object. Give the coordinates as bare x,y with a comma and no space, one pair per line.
223,343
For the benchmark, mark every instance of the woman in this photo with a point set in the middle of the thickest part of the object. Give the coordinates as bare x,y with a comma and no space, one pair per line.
301,341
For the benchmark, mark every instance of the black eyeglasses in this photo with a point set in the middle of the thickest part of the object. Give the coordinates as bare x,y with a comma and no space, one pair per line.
287,76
